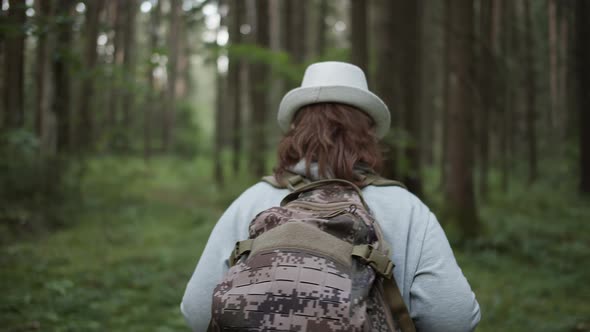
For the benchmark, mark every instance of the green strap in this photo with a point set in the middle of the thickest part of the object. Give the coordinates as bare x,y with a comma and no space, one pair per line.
374,258
395,301
242,247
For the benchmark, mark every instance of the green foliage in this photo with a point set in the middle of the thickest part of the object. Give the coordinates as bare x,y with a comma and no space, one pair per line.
33,187
124,264
186,132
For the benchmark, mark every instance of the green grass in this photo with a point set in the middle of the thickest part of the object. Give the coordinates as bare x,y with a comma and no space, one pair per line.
137,235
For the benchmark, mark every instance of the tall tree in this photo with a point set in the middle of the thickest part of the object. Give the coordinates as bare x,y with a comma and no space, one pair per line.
359,52
259,75
583,75
385,53
234,82
86,118
42,77
321,38
62,77
128,98
486,79
459,193
151,100
14,116
530,92
553,61
117,9
410,66
173,51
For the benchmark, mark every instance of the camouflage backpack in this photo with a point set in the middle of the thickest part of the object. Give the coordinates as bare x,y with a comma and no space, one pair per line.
316,263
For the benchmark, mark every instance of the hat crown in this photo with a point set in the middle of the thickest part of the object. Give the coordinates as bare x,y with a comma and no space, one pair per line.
333,73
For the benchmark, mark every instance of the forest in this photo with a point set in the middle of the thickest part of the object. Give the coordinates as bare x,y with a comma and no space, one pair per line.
128,126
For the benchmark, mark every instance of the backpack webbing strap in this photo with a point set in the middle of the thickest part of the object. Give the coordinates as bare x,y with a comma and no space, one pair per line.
394,300
374,258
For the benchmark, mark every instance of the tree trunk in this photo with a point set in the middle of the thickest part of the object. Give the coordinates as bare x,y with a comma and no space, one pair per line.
530,92
487,73
151,100
553,61
410,87
129,54
237,9
359,53
298,30
62,77
321,39
43,76
385,52
583,54
112,123
14,66
459,194
258,89
86,117
173,51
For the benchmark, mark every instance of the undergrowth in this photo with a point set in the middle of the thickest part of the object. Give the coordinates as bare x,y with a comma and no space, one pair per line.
139,228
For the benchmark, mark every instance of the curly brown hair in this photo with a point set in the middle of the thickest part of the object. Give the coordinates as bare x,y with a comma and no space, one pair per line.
335,136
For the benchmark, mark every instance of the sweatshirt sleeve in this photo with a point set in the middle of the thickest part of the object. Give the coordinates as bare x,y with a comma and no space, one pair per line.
196,302
440,296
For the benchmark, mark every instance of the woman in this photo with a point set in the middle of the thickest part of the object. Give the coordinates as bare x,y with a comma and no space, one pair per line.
332,124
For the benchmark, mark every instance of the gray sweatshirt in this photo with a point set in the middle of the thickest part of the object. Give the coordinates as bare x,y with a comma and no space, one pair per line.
435,290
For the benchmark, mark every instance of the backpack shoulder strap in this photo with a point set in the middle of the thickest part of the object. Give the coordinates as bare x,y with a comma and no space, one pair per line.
288,180
372,179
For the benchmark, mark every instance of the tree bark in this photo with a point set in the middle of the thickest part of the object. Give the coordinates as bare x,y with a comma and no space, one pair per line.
152,101
86,117
321,39
43,75
129,54
553,61
173,51
14,65
459,193
530,92
583,54
258,87
234,83
62,77
359,53
410,87
486,74
385,53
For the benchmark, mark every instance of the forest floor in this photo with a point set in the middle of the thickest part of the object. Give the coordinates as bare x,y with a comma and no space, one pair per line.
139,230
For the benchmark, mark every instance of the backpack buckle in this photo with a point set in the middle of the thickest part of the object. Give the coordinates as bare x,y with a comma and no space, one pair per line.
241,247
382,265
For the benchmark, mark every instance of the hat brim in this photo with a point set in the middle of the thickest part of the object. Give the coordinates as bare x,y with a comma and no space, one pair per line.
359,98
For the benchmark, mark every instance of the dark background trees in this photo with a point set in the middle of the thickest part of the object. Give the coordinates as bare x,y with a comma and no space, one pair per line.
489,101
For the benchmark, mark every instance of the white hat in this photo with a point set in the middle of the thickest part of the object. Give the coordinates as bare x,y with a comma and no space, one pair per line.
336,82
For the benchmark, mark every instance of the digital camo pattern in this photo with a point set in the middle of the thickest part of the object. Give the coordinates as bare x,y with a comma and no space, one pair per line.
297,290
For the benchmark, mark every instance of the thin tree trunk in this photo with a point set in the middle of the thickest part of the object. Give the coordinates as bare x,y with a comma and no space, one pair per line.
298,30
487,74
128,100
173,51
62,77
583,54
459,193
321,39
384,79
234,86
86,118
553,61
359,48
410,70
43,75
531,107
151,99
258,86
118,8
14,63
